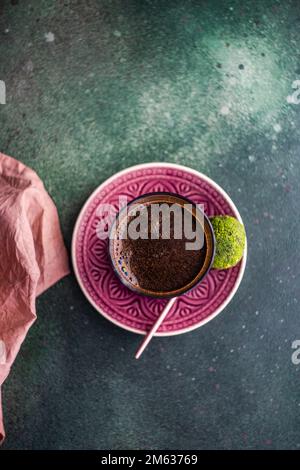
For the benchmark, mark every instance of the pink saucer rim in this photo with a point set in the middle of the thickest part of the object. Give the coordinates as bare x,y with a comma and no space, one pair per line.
143,166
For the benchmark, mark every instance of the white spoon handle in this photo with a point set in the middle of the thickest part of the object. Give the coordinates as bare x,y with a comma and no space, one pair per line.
155,327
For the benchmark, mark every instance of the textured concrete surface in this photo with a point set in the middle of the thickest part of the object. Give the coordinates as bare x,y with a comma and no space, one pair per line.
95,86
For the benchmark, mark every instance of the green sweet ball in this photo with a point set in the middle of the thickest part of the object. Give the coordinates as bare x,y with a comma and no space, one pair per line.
230,241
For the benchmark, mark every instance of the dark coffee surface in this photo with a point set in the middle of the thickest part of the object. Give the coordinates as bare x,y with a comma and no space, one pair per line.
161,265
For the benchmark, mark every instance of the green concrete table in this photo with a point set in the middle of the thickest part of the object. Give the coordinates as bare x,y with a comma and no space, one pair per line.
95,86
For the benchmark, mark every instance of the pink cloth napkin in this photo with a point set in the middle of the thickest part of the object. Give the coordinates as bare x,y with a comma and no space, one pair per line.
32,256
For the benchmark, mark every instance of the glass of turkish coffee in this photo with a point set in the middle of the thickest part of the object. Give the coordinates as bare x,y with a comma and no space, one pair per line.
161,245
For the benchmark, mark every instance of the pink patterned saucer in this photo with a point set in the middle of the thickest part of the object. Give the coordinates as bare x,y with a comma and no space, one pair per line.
93,267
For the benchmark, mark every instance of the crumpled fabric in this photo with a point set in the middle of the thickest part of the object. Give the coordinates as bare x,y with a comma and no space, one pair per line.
32,256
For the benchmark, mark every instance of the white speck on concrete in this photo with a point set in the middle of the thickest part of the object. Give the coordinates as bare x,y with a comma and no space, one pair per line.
49,37
6,31
291,99
28,67
277,128
117,34
251,158
225,110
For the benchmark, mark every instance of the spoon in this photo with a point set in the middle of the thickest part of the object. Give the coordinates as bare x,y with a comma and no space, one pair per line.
155,327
